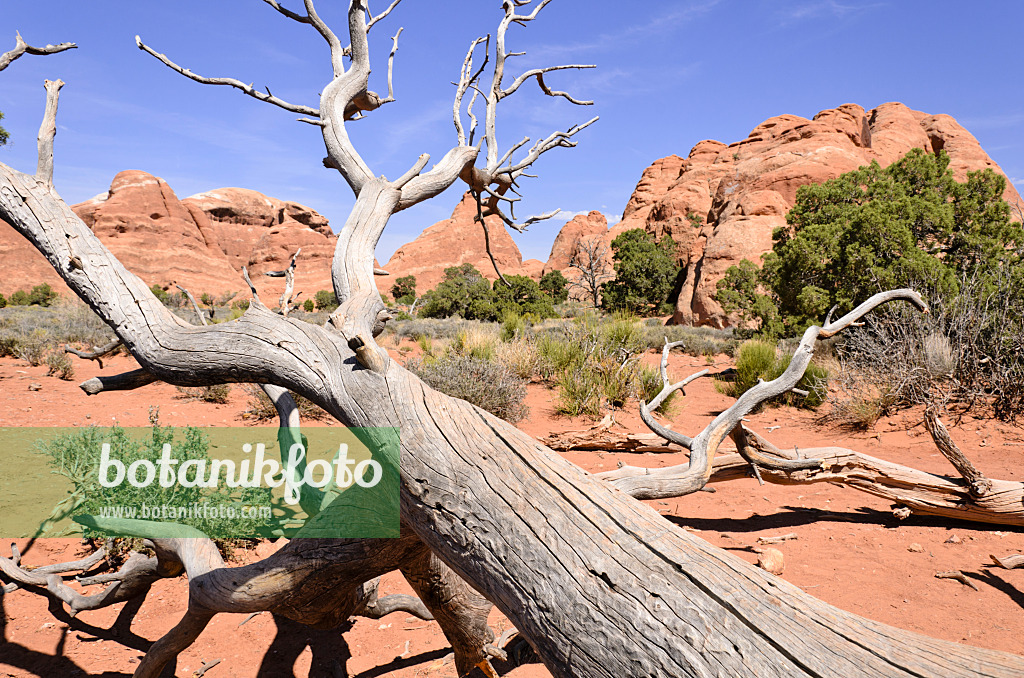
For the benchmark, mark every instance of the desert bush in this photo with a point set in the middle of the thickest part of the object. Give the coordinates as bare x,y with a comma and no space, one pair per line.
76,457
34,347
3,301
968,350
308,306
214,393
58,363
478,342
325,301
487,385
519,356
758,360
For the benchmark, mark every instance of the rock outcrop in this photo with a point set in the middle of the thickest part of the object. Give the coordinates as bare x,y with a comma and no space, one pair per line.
201,242
263,233
721,203
566,247
455,241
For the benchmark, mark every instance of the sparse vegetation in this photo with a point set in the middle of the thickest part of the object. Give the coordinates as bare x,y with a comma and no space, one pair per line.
215,393
486,384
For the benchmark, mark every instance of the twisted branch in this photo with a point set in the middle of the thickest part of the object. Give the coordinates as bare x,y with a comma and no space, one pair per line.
21,47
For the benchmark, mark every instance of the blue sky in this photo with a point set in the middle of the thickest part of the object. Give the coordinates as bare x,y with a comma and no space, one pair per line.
669,74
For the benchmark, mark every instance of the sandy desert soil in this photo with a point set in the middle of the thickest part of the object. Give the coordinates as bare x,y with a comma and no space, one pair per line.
850,550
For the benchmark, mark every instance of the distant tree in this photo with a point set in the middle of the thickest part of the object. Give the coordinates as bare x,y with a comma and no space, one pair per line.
464,292
592,269
645,273
19,298
554,284
873,229
308,306
3,301
404,289
4,136
522,295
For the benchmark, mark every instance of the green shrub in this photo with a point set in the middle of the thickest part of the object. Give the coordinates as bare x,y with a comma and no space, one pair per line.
162,295
308,306
757,361
875,229
76,457
485,384
19,298
513,325
464,292
3,301
325,301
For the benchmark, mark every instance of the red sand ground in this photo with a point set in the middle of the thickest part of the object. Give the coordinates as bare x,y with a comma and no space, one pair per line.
850,550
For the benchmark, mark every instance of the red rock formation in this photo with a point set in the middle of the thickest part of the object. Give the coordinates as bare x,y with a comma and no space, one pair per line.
567,242
200,243
741,192
453,242
263,233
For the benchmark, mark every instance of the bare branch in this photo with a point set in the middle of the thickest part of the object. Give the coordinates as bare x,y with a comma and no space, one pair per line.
391,64
539,74
554,140
466,79
412,172
668,389
231,82
373,20
302,19
47,131
195,305
98,353
979,484
289,277
20,48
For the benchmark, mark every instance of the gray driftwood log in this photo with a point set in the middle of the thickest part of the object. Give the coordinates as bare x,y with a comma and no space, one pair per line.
599,583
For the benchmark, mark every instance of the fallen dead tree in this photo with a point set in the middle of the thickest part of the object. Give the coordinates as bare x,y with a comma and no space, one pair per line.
598,583
970,497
